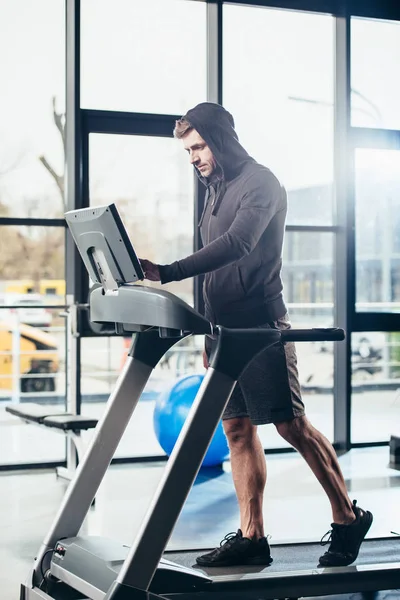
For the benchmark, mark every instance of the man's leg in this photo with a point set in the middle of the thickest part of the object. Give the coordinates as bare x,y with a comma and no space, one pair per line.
350,523
248,545
321,458
249,474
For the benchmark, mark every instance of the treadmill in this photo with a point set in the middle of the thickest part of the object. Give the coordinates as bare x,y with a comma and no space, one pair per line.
73,567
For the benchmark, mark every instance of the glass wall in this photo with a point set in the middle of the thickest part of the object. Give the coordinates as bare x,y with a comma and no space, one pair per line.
40,265
32,278
32,108
145,56
375,406
375,50
375,56
281,93
32,337
152,183
377,209
150,56
154,62
32,369
308,284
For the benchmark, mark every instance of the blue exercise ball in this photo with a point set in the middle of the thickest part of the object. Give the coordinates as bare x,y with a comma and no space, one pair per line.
171,409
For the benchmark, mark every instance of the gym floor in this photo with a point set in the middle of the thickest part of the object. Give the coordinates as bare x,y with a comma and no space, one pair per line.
295,507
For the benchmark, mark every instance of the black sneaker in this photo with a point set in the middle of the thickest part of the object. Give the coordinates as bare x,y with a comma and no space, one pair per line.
346,540
235,549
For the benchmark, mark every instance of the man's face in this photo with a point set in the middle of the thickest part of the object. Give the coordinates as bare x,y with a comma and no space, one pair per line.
200,154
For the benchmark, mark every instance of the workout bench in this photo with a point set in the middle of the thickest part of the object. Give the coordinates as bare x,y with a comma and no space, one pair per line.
67,423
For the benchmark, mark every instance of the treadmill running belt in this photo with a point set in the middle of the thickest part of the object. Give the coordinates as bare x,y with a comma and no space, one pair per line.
297,557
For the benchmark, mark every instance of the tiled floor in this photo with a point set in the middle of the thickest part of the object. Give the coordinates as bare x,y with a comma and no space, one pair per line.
295,507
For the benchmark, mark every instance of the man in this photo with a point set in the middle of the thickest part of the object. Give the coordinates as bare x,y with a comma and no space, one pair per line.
242,228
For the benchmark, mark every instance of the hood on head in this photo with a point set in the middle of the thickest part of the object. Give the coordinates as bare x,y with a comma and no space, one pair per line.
217,128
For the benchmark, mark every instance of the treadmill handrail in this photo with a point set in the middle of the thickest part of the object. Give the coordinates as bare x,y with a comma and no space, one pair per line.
139,306
329,334
318,334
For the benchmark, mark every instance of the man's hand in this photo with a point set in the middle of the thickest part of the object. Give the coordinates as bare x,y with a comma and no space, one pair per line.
150,270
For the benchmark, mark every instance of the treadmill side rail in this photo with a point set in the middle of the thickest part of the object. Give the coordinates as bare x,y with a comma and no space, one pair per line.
313,582
125,592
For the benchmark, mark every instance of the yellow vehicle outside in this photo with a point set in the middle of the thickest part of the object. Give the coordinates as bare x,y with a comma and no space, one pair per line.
45,287
38,358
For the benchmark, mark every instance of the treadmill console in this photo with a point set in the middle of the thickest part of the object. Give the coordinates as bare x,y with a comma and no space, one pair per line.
104,246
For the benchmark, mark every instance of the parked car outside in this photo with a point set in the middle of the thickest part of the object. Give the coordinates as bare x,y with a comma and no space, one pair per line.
32,314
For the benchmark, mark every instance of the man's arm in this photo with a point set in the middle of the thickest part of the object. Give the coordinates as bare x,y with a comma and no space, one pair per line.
257,208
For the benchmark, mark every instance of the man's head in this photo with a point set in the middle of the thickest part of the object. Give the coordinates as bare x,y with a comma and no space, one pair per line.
208,134
199,152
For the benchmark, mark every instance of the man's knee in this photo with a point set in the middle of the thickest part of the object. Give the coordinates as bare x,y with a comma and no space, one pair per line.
239,431
294,430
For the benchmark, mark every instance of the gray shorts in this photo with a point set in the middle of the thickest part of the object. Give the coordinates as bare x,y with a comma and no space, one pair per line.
268,390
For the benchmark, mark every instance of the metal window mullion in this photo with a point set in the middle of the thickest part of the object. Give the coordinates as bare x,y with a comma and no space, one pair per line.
319,6
313,228
214,51
344,239
214,94
359,8
73,199
31,222
115,122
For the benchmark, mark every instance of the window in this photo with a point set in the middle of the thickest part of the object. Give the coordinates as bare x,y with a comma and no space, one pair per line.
377,188
280,91
32,338
308,293
307,272
143,56
31,258
375,56
32,105
151,181
375,385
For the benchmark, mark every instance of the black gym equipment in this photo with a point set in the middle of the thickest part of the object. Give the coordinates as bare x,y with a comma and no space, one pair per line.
72,566
69,424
